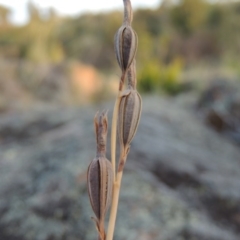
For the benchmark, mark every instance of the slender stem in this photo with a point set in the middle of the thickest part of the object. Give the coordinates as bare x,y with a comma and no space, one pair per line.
114,207
116,187
114,134
113,214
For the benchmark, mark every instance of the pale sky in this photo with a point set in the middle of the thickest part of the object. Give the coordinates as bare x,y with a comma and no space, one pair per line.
69,7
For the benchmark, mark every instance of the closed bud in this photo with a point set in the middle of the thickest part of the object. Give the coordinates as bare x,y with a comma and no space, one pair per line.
129,114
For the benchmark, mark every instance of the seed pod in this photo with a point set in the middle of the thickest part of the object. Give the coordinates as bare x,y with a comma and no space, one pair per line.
125,44
129,114
100,184
100,176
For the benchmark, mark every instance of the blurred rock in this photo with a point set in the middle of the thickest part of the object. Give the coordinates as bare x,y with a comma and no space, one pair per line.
220,106
181,181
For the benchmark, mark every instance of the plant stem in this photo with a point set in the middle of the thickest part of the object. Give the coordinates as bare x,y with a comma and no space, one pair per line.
113,214
116,187
116,191
114,134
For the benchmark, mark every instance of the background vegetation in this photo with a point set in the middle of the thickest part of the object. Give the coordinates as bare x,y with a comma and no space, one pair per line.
173,38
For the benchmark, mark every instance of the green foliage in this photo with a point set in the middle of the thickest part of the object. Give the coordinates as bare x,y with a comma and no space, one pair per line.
196,30
35,41
87,38
215,17
190,15
155,77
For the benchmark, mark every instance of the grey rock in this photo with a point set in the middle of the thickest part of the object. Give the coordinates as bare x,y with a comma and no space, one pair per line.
220,107
181,180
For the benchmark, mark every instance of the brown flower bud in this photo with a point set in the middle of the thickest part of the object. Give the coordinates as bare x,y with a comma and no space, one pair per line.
129,114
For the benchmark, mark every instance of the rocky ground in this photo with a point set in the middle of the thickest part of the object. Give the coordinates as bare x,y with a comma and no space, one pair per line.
181,181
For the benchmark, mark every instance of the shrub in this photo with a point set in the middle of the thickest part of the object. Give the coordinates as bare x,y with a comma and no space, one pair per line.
155,77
